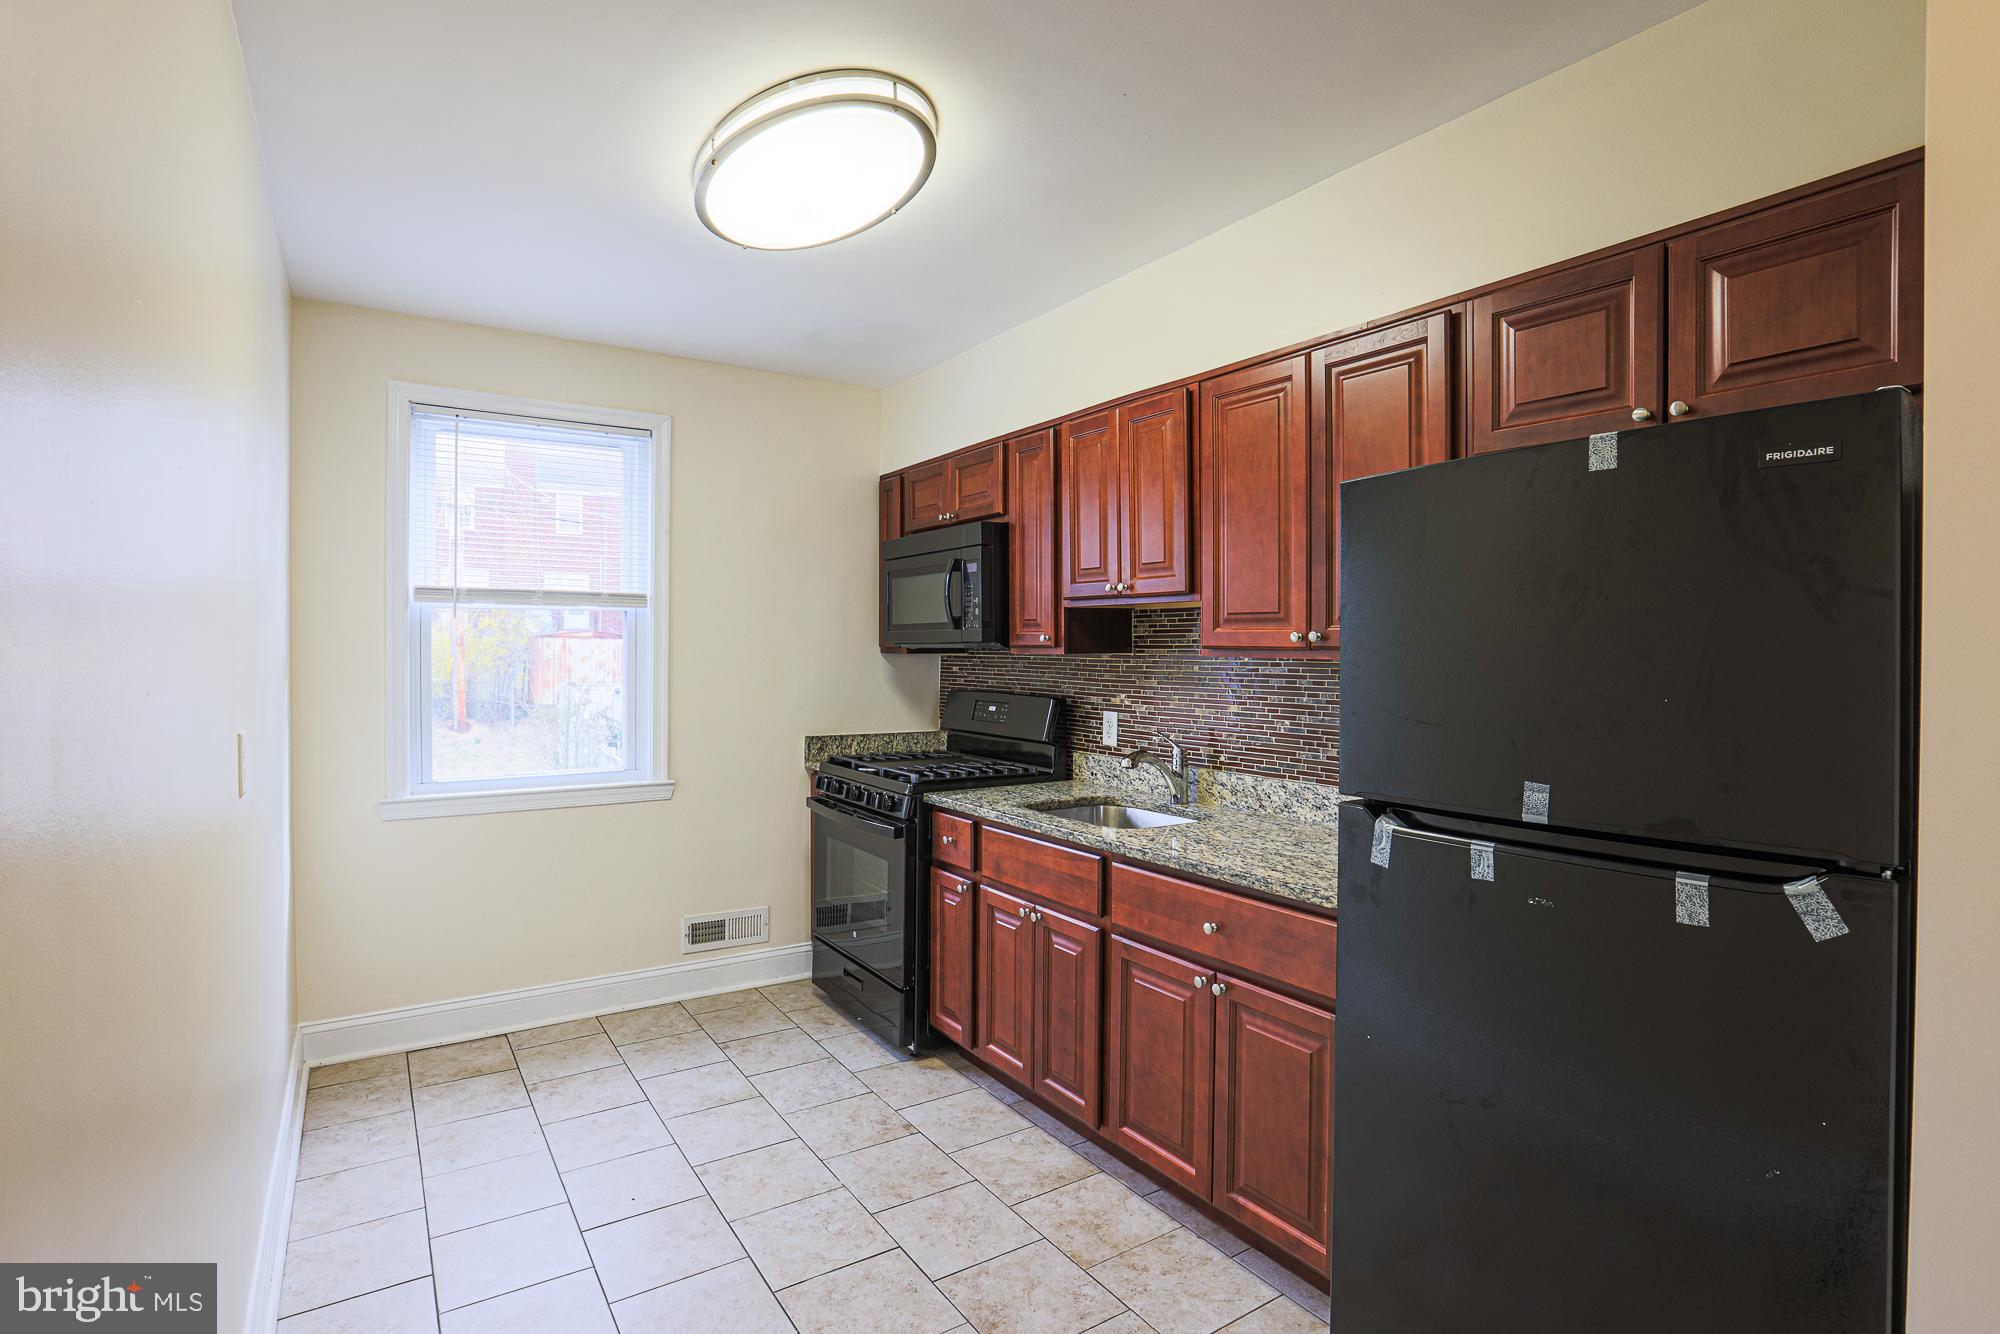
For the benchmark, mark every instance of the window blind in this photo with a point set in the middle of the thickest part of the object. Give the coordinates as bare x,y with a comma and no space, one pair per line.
523,511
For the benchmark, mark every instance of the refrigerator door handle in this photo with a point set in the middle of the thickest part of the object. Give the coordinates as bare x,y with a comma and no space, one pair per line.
1401,825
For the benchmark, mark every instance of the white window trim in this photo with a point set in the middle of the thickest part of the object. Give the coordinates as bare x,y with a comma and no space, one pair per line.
648,647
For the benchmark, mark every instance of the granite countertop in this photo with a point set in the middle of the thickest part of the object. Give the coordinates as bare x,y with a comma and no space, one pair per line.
826,746
1286,856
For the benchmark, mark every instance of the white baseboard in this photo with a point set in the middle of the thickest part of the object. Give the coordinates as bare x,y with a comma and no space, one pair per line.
413,1026
261,1313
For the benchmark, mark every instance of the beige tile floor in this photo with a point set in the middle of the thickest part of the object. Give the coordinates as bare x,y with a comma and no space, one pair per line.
745,1162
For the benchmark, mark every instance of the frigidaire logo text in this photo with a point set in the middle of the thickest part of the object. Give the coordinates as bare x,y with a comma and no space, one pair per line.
1799,454
87,1302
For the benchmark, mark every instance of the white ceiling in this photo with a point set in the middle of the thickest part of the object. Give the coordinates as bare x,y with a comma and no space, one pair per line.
525,163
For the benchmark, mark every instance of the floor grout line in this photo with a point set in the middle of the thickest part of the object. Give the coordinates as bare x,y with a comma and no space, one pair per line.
825,1160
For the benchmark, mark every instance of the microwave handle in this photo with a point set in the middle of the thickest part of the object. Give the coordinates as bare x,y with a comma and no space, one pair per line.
955,617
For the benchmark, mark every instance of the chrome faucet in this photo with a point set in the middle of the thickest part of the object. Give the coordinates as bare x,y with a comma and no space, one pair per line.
1176,770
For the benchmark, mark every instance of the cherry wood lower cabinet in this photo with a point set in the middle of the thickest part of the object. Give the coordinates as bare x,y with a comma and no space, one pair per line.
1274,1117
1003,983
952,931
1068,1010
1159,1060
1226,1089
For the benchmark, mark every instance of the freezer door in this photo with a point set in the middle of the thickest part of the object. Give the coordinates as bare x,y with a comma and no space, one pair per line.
1556,1107
1702,644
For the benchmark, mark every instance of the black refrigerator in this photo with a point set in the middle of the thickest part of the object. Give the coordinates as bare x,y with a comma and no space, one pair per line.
1627,733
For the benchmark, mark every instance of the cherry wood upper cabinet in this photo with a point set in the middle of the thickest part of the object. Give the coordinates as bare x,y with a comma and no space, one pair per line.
978,476
952,929
1003,1011
1274,1117
889,506
1381,401
1069,1016
1814,298
1034,606
1569,354
1253,467
957,488
1090,505
926,495
1157,524
1159,1094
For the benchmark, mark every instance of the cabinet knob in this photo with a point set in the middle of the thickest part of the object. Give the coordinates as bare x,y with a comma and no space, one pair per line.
1124,587
1218,988
1641,415
1034,917
1045,639
1201,981
1210,928
948,839
1678,408
1022,910
1296,637
1314,636
1111,588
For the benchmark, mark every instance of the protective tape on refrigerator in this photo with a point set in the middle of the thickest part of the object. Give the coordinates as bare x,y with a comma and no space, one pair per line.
1690,898
1604,451
1815,909
1482,861
1535,803
1385,832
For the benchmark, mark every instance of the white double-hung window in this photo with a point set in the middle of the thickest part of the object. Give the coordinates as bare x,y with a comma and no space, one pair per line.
527,625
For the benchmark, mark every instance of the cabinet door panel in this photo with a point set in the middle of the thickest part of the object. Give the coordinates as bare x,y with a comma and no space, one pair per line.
1569,354
1153,446
1068,1015
1812,299
1034,609
1003,983
952,930
1160,1062
976,482
926,495
1274,1117
889,507
1256,515
1381,402
1088,504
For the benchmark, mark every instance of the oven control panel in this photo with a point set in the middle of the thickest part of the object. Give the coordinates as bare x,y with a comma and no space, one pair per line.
861,795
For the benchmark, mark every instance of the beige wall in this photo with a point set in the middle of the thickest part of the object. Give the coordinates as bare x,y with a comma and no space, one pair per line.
772,620
145,923
1955,1193
1764,94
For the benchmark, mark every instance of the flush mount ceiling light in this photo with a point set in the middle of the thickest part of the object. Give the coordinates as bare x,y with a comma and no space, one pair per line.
815,159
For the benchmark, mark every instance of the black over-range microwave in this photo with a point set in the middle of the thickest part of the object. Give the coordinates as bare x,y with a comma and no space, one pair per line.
945,590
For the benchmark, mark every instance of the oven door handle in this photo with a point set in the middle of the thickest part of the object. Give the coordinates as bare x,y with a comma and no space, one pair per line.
821,806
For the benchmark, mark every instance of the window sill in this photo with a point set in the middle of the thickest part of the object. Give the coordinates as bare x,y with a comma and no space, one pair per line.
522,799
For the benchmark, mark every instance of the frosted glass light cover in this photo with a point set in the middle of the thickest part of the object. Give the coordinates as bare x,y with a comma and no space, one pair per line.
814,160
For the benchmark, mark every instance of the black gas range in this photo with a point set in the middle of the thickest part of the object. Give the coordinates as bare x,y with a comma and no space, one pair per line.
871,859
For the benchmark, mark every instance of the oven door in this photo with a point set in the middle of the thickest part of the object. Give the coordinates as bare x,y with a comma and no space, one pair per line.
861,873
923,600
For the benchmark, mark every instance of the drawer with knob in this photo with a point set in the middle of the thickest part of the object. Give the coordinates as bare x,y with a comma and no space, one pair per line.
951,841
1240,932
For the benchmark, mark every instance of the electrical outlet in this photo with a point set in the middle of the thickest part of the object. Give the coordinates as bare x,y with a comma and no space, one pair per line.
242,768
1111,727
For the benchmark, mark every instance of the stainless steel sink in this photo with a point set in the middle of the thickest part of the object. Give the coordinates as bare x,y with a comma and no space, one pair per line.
1117,817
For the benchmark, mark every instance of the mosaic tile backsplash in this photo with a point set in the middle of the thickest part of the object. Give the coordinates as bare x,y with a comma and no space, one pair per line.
1274,716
